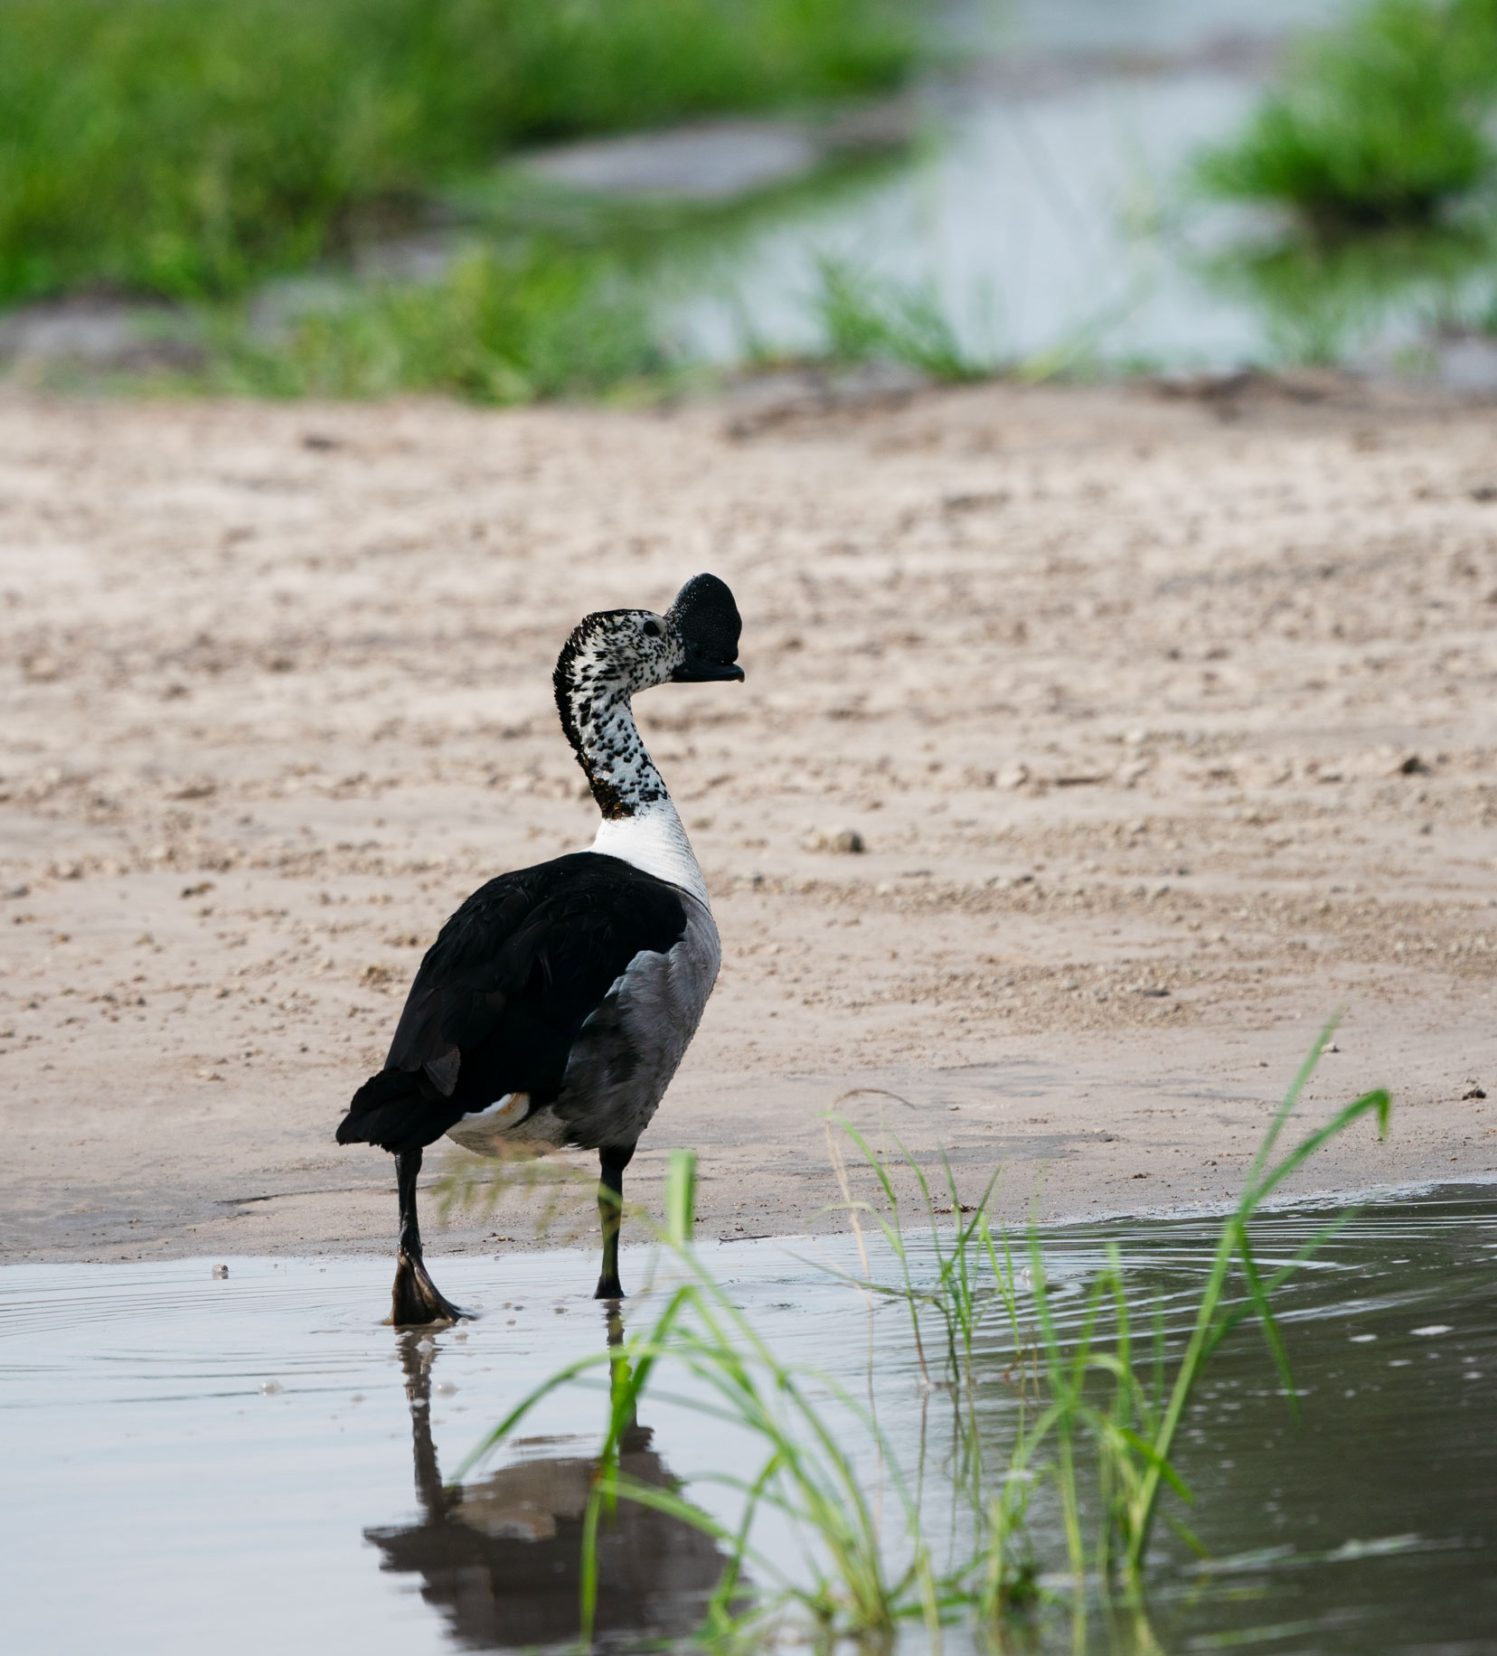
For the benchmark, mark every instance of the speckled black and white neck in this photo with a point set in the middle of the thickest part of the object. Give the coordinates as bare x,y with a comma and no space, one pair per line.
610,656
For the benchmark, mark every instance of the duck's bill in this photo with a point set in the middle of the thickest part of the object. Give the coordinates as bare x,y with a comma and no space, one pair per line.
696,670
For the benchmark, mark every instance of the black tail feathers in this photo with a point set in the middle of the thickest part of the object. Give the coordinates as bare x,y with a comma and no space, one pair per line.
391,1111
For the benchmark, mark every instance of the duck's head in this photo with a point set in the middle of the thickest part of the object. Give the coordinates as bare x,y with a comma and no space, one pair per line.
628,650
706,622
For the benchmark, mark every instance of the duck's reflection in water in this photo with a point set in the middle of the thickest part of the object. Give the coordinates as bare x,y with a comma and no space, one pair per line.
501,1557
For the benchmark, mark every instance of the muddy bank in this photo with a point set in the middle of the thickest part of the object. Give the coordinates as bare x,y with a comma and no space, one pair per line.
1167,723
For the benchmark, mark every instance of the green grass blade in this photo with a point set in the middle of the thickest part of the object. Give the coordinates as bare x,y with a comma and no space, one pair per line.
1286,1106
1263,1309
680,1198
1378,1101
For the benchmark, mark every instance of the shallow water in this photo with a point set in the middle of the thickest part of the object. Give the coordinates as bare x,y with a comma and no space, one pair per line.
1051,217
201,1463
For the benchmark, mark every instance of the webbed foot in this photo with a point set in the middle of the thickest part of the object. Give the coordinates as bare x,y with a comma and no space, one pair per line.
416,1299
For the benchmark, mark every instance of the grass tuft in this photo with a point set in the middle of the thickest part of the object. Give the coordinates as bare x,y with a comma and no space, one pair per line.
870,319
1381,121
1100,1409
497,328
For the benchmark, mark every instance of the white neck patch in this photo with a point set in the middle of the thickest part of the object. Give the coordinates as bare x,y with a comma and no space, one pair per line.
654,841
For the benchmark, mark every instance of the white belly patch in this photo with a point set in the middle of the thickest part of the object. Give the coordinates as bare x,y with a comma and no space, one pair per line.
481,1129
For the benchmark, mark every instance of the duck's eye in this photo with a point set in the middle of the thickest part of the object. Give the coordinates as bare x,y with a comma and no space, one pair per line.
651,629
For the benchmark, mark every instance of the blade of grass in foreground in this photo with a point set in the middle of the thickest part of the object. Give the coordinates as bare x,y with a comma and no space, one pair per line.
1095,1403
1213,1319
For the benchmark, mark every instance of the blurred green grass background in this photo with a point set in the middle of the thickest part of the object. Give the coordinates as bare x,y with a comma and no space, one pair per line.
1384,120
196,151
188,148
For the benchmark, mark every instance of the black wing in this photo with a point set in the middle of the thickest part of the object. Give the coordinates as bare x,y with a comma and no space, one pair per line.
504,991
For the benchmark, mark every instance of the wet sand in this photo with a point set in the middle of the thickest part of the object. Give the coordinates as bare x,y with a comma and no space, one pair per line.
1167,722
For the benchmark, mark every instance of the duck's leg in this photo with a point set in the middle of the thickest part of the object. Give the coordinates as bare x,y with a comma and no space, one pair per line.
611,1214
415,1298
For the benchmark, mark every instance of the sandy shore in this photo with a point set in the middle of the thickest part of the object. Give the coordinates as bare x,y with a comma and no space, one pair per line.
1168,724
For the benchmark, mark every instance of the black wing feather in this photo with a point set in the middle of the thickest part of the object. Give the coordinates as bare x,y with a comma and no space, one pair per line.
503,992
